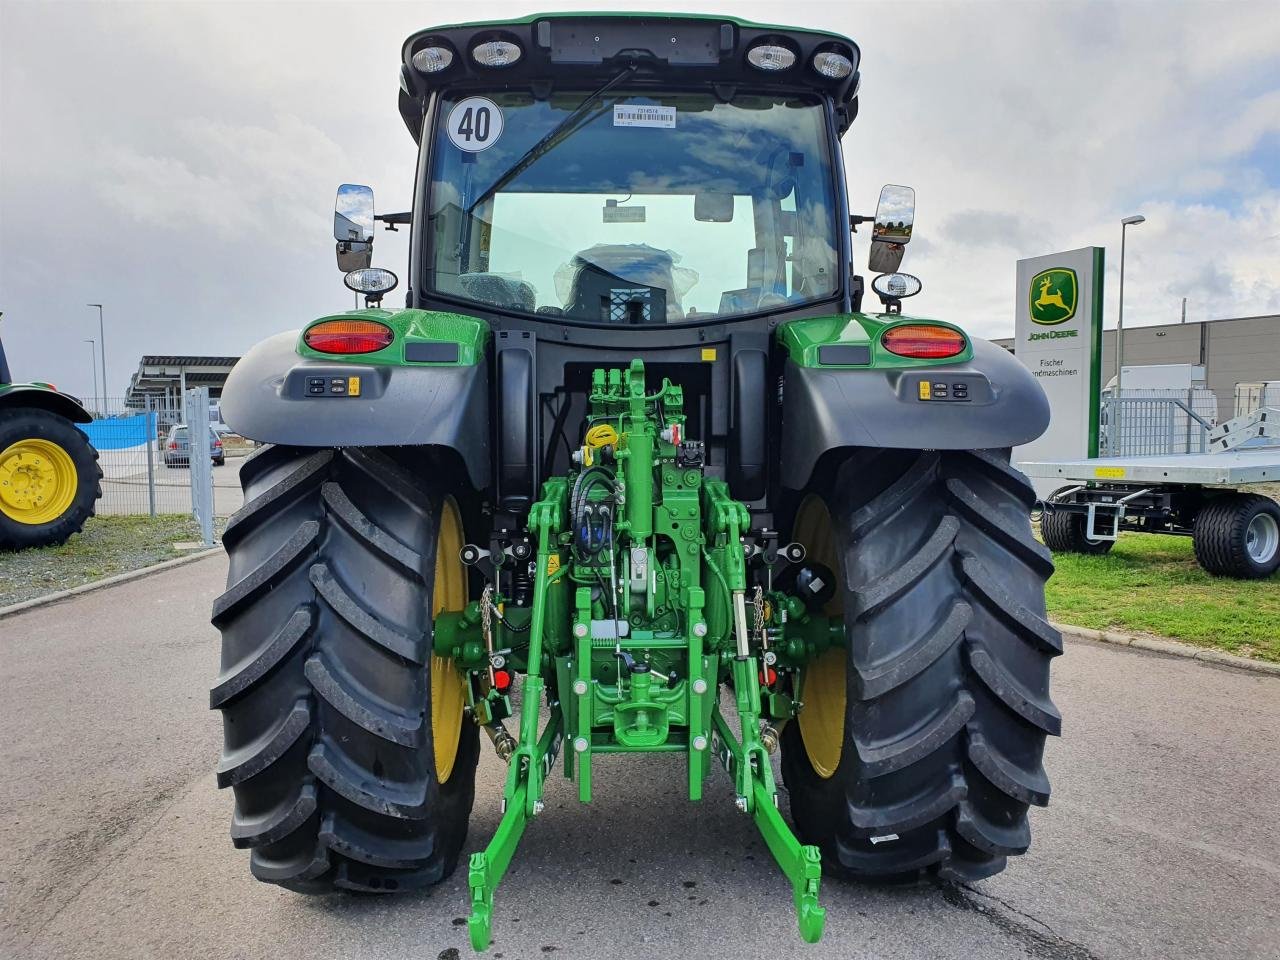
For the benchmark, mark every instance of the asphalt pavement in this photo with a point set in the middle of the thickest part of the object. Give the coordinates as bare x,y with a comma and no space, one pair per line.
1162,839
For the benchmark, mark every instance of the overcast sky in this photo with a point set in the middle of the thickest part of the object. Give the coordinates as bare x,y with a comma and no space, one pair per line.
177,162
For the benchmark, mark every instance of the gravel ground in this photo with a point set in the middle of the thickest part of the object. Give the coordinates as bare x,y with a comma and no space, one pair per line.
106,546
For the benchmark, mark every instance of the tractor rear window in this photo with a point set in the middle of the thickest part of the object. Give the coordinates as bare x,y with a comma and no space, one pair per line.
640,209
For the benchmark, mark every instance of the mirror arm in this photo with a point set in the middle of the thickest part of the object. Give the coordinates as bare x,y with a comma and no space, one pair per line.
391,219
855,219
856,287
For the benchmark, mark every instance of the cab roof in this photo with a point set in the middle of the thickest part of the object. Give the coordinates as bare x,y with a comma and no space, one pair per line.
587,49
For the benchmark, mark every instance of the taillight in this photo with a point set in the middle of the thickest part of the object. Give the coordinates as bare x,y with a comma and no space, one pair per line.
923,341
348,336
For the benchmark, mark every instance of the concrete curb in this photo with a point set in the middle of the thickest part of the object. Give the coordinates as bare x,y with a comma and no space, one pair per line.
1171,648
125,577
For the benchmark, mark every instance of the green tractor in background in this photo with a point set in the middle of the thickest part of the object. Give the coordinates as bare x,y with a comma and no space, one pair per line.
635,451
49,473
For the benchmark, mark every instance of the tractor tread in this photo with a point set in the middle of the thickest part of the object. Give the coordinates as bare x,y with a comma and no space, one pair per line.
1026,787
913,813
872,682
871,599
244,520
989,837
263,577
1028,624
886,758
247,674
361,620
360,706
349,840
1037,710
374,537
338,772
286,817
267,749
1030,551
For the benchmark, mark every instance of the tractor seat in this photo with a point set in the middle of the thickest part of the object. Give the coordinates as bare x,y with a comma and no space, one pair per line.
623,283
504,292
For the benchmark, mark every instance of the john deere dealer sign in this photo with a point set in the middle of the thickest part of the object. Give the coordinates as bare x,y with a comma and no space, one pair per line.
1058,337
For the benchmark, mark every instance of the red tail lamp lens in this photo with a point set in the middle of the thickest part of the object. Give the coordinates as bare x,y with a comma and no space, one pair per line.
923,341
348,336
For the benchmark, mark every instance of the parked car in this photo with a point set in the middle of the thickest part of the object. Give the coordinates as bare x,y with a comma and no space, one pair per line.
177,447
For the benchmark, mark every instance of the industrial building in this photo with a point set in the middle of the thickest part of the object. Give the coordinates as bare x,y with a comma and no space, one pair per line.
1240,350
164,377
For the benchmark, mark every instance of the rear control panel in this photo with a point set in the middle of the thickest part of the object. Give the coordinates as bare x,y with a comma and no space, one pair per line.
315,382
947,388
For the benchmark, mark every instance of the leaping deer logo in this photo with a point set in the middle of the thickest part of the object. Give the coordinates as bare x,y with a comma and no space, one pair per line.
1047,299
1056,301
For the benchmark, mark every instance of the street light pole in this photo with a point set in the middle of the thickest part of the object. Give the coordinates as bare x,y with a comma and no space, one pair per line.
101,341
93,365
1125,224
1118,445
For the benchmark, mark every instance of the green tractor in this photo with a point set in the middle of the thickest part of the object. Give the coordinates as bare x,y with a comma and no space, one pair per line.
49,474
635,452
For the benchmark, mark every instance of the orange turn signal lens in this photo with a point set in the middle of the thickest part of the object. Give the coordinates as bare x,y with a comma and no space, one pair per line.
923,341
348,336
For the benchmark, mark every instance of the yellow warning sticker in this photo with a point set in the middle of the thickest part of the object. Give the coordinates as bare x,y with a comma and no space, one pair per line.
926,391
553,564
1109,473
353,386
708,354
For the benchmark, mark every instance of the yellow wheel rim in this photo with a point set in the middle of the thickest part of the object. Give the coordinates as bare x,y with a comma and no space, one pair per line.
448,696
37,481
823,684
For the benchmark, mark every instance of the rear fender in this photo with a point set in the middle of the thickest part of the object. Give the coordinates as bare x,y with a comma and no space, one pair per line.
825,409
42,397
269,398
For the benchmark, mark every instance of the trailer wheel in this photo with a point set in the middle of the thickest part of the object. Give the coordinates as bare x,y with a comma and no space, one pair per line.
49,479
918,748
1065,532
344,737
1238,535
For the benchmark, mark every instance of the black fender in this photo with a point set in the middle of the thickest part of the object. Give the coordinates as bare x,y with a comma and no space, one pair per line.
826,409
35,396
266,399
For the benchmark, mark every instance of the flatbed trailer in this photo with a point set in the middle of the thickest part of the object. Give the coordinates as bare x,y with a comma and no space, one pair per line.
1236,531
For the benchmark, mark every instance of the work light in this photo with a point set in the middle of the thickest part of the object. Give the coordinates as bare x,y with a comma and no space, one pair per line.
832,64
771,57
433,59
496,53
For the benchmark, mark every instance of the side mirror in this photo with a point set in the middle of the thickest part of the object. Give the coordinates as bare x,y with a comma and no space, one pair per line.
353,213
353,226
891,231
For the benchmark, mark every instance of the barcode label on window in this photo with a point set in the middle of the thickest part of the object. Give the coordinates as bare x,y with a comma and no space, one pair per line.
643,115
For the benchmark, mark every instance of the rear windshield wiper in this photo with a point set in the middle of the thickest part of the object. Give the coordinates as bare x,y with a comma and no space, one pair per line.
558,133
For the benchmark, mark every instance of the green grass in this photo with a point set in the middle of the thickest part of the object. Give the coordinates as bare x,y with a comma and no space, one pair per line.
107,546
1152,584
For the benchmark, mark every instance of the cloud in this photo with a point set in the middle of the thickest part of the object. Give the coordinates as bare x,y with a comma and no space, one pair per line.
184,171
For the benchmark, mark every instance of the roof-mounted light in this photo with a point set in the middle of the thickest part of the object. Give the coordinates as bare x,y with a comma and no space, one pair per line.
831,64
771,57
433,59
371,281
496,53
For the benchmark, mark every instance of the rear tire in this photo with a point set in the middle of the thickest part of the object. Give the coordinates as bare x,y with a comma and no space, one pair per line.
28,437
1238,535
946,670
1064,532
326,686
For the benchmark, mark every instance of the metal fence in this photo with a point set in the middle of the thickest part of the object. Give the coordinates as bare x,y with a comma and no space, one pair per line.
147,471
1147,423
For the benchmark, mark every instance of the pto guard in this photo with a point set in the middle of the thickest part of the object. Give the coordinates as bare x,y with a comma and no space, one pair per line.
266,399
829,408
